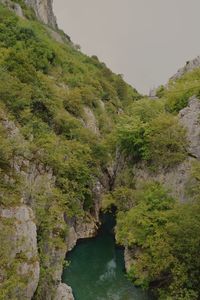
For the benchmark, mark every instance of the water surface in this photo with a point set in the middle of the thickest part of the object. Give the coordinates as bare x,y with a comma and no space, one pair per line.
97,272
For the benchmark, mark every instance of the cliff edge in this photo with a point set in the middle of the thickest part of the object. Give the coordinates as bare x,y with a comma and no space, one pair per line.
44,11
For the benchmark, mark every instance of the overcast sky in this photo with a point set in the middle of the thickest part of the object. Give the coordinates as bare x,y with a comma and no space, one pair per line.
145,40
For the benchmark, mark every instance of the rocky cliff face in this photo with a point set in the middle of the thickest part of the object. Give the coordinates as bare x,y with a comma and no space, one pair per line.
189,66
44,11
176,179
42,8
64,292
23,248
37,179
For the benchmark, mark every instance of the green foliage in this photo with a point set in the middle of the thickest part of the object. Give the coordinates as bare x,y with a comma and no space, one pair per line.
131,137
122,89
166,140
178,92
165,238
44,87
148,133
122,198
73,103
11,281
193,186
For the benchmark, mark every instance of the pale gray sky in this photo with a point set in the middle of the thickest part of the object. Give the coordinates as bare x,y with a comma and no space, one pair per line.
146,40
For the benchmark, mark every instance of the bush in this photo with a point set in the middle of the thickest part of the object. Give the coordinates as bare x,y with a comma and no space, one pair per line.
73,103
152,135
166,140
164,237
179,92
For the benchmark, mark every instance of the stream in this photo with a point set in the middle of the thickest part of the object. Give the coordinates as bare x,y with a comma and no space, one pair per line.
96,270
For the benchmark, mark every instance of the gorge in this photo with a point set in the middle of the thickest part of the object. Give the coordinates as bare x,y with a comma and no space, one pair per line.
76,141
96,268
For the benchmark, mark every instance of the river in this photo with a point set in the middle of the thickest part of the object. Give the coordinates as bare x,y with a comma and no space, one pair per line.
96,270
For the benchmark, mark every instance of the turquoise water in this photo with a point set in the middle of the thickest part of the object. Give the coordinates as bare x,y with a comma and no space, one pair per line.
96,270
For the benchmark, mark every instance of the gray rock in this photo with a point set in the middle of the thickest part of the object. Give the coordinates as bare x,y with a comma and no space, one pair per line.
55,35
177,178
44,11
82,229
24,239
174,179
14,7
90,120
128,258
189,66
190,119
64,292
18,10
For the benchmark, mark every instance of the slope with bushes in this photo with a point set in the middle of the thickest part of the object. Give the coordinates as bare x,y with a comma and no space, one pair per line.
71,129
157,191
51,158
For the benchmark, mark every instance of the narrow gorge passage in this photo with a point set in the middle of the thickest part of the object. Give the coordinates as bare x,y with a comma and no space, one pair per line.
96,270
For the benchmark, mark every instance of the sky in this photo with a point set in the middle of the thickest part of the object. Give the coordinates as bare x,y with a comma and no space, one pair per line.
145,40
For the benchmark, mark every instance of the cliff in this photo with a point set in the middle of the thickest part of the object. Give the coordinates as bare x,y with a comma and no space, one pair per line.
72,131
189,66
44,11
157,190
57,106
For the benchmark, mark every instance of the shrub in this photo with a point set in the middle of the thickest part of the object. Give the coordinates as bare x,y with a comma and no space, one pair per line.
164,237
166,140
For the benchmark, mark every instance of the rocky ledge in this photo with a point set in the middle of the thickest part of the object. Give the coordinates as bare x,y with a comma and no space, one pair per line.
64,292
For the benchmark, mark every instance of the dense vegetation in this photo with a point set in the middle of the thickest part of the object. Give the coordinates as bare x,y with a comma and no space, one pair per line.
45,89
151,134
161,233
178,93
163,236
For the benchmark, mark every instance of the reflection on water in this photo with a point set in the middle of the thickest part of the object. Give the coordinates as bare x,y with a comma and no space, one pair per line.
96,270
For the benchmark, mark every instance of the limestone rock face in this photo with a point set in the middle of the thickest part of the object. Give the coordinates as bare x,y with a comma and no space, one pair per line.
90,120
128,259
190,65
176,179
81,230
190,119
64,292
44,11
14,7
24,240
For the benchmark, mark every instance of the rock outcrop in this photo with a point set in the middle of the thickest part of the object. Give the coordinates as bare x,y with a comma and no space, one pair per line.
189,66
42,8
190,119
23,247
176,179
90,120
64,292
82,229
14,7
78,229
38,178
44,11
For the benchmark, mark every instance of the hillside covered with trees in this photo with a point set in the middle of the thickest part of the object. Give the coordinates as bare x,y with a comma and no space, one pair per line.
76,139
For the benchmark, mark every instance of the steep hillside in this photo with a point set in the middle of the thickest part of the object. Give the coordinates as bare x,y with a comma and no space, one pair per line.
157,192
57,108
74,133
